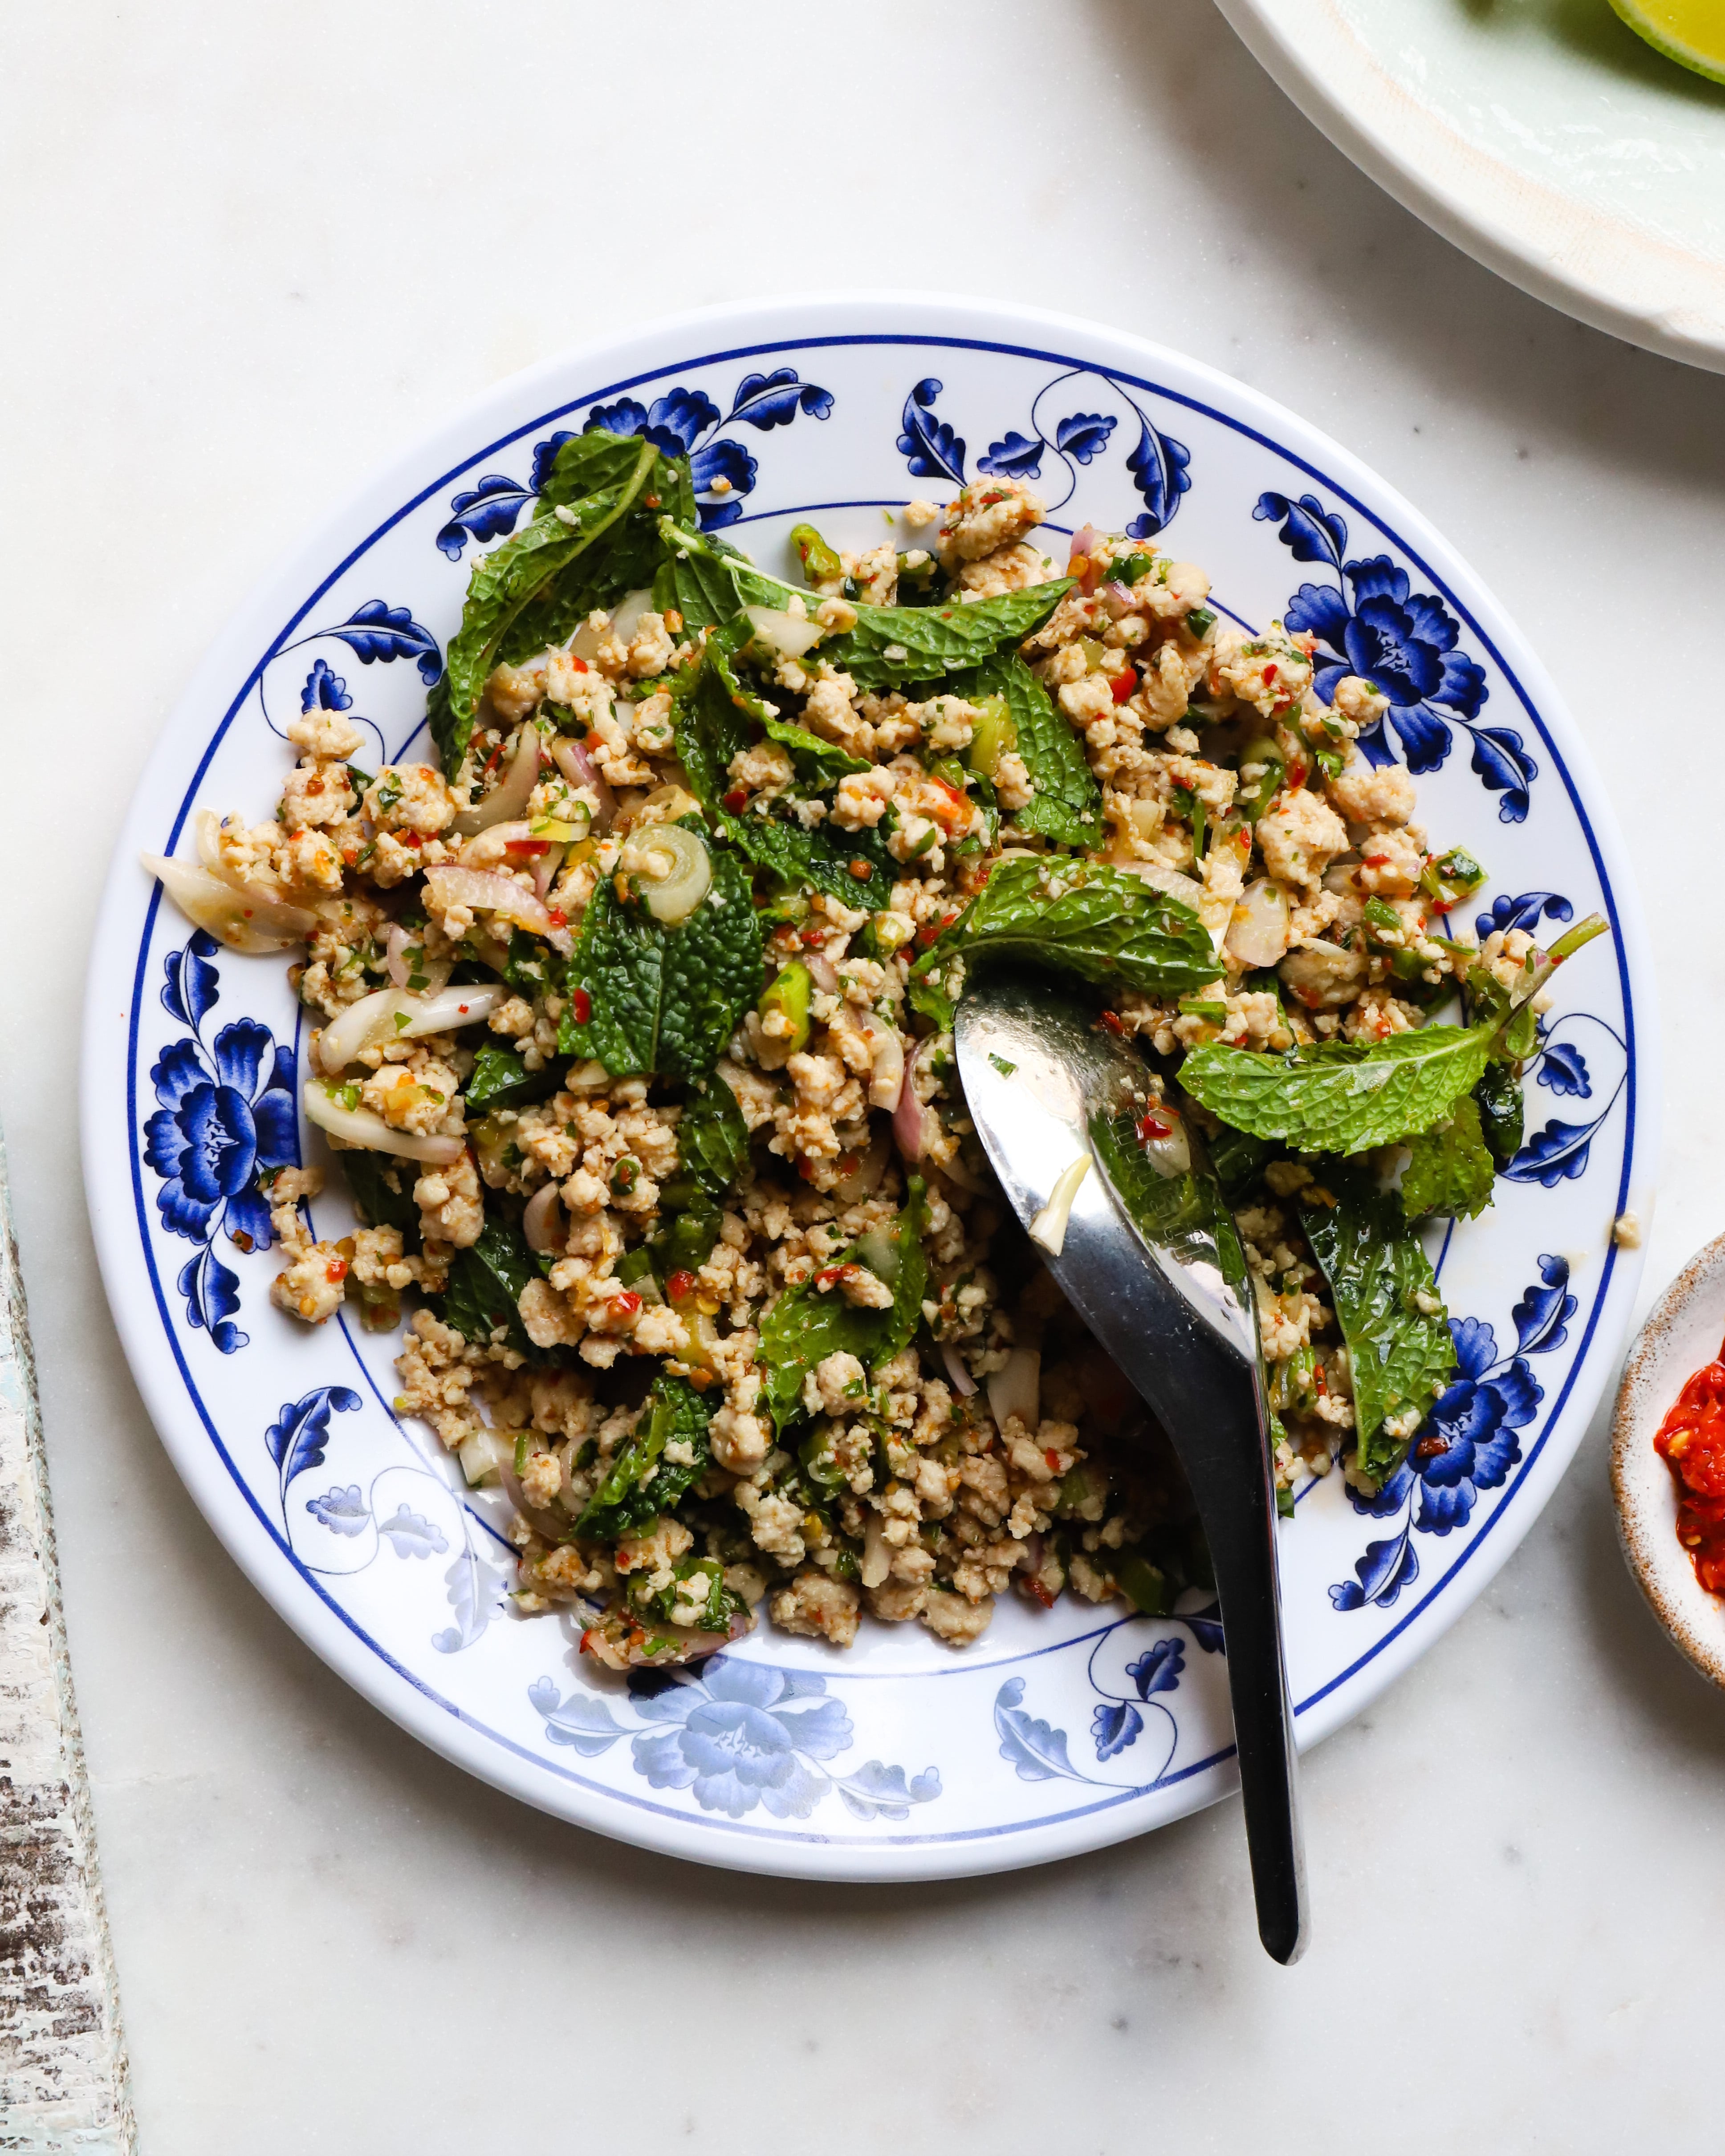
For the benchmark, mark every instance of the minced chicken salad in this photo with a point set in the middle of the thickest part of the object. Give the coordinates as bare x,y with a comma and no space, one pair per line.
632,1040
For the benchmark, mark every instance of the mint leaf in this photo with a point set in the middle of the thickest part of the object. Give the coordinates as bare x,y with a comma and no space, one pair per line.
1185,1209
1343,1096
1452,1170
485,1286
1067,805
712,1137
1402,1356
640,1484
714,721
374,1185
894,644
709,583
1101,923
821,764
500,1080
660,998
804,1326
507,581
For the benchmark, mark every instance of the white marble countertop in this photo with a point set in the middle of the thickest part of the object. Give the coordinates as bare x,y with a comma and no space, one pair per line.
249,254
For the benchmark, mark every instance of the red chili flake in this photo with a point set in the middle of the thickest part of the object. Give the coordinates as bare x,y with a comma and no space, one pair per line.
927,934
492,761
805,1168
580,665
583,1004
1035,1587
586,1646
1296,773
829,1277
412,839
1155,1125
954,793
1319,1380
737,800
462,1010
1052,1457
336,1270
681,1284
531,846
1375,860
989,500
1113,1021
1123,685
813,938
629,1303
556,916
1270,673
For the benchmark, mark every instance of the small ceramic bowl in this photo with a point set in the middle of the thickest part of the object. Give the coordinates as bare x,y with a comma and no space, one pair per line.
1682,1335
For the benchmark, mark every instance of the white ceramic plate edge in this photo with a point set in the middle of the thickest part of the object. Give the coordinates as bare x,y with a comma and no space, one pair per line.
1611,273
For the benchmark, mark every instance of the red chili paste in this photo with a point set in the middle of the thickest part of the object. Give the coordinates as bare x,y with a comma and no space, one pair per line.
1692,1442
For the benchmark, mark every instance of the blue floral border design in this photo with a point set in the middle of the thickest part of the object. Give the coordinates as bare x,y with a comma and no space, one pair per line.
1372,623
1159,465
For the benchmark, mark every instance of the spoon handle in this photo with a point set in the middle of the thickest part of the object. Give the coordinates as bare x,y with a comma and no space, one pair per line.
1231,1478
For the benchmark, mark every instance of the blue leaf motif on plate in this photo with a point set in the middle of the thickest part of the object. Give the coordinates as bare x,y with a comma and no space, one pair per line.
410,1534
875,1791
625,417
193,988
1524,911
582,1721
487,510
1013,457
930,448
212,1296
344,1511
1114,1724
377,632
1554,1155
1085,435
296,1439
767,401
1563,1068
1309,532
1035,1748
476,1593
1381,1574
1544,1312
1161,467
324,690
1158,1668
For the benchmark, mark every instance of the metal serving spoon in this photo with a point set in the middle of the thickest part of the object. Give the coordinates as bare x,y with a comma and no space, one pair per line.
1145,1251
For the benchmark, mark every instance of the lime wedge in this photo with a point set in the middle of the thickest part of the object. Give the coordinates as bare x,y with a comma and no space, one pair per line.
1690,32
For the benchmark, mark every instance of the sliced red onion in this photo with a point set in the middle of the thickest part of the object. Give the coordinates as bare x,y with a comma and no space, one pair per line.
823,972
230,914
506,800
1035,1549
1117,599
359,1126
1016,1389
396,946
963,1383
579,767
487,890
542,1224
1083,539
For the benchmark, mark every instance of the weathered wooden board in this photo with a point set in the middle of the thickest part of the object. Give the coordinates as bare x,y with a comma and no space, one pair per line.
63,2069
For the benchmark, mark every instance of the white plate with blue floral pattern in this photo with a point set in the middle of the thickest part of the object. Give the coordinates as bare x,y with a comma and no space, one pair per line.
1058,1731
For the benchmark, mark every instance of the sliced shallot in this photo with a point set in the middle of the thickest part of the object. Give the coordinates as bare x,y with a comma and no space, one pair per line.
963,1383
359,1126
508,798
910,1118
396,946
543,1223
393,1014
787,635
230,914
1258,931
1016,1389
483,890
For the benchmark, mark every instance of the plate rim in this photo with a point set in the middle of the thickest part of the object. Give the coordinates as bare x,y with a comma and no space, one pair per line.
1518,258
804,322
